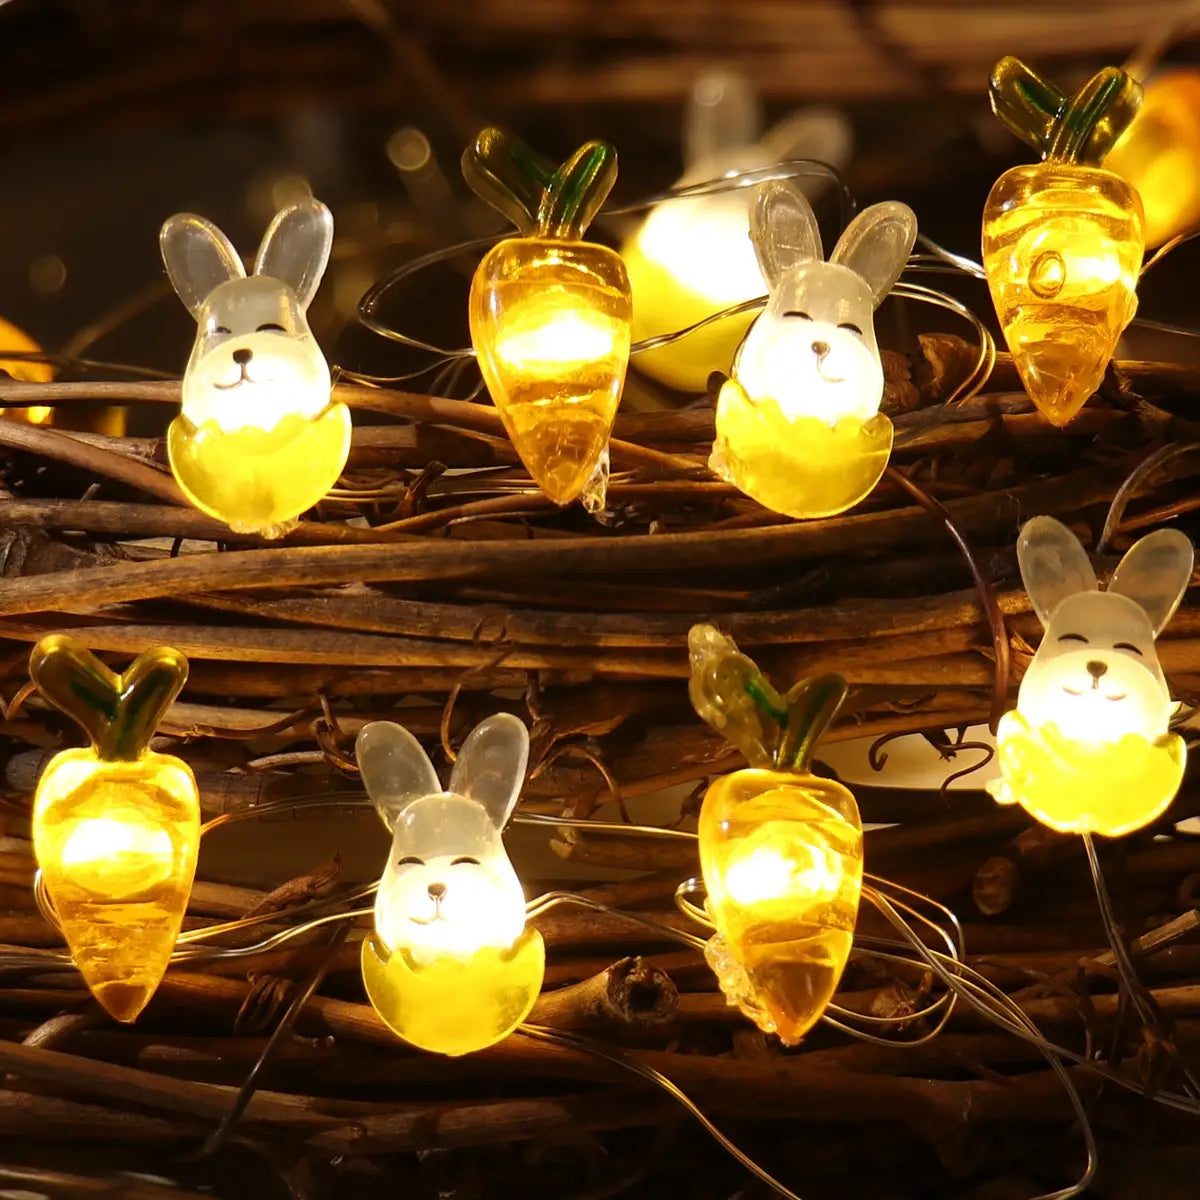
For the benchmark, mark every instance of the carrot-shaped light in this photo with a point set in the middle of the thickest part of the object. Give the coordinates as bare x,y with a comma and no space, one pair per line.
781,849
1063,239
550,313
116,826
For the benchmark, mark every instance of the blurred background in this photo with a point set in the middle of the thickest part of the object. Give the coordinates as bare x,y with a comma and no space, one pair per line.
117,113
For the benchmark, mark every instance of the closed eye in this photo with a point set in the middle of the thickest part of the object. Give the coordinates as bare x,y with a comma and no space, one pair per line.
1072,637
221,329
851,326
1128,646
271,325
466,858
797,313
411,861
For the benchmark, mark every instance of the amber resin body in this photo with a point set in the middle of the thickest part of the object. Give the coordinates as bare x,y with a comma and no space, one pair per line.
258,480
1062,247
116,826
550,321
782,857
117,845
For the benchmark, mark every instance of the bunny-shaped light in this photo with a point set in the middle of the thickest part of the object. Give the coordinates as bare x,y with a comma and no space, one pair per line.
550,313
798,425
1088,749
1063,240
450,966
691,257
258,440
116,827
781,849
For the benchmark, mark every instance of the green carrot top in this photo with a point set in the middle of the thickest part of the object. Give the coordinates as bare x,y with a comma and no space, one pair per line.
118,712
538,197
731,694
1081,128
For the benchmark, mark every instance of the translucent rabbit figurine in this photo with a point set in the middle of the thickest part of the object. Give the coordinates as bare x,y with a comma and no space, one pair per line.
450,966
1088,749
258,440
798,425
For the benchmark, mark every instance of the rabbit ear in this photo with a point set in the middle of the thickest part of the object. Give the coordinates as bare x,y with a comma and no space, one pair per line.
490,767
783,229
296,246
198,258
876,245
722,115
1156,572
1053,565
395,769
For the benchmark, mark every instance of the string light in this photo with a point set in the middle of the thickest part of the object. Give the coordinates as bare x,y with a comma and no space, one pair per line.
1088,748
798,425
1063,240
549,313
692,257
781,849
1159,154
450,966
116,827
258,440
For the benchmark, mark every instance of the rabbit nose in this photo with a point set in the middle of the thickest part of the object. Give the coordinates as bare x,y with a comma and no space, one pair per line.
1095,669
242,356
437,891
820,349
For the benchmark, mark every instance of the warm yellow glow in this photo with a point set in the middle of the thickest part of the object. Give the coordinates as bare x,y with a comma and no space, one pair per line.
117,844
765,874
27,370
454,1005
1105,785
550,322
260,480
799,464
782,860
1159,154
691,259
548,337
1062,247
122,851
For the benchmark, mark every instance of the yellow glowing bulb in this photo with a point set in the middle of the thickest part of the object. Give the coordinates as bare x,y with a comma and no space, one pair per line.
116,827
450,966
550,316
1088,748
258,440
798,426
1063,240
1159,155
692,258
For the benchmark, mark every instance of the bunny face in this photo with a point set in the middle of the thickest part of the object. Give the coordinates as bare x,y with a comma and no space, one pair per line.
813,351
255,360
1101,684
815,346
1096,675
448,888
452,902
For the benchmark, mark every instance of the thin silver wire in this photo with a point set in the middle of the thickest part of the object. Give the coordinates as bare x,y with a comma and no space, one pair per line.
792,169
